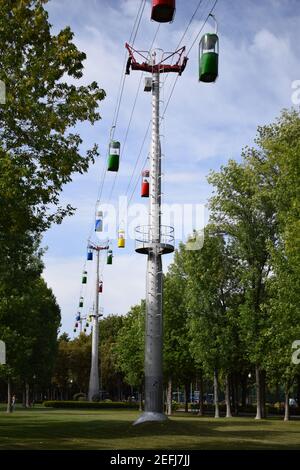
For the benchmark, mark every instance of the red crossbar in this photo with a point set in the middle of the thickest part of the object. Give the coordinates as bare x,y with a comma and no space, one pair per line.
161,67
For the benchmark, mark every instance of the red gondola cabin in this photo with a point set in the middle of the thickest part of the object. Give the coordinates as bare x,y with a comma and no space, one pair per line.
163,10
145,184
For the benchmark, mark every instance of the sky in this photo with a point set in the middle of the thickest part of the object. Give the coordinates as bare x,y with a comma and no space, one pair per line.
203,127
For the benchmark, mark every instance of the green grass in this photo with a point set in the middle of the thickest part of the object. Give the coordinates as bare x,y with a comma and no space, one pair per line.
42,428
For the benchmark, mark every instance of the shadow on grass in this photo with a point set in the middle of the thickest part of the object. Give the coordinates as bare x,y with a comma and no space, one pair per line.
80,430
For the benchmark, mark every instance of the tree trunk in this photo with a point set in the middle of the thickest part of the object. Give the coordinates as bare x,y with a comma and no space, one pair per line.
186,396
298,391
9,407
216,394
233,397
286,404
236,389
263,394
227,396
277,394
141,399
23,396
258,392
244,390
27,401
169,397
201,410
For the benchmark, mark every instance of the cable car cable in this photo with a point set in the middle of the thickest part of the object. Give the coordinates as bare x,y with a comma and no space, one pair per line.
131,117
201,29
132,38
194,42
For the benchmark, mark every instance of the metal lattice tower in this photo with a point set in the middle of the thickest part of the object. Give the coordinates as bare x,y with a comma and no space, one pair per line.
154,240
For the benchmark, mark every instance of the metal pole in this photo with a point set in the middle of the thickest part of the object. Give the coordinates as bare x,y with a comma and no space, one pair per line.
94,374
154,325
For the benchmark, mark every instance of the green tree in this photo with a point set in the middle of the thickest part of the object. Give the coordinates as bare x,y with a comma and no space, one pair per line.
213,293
239,210
277,158
112,379
129,347
42,108
179,366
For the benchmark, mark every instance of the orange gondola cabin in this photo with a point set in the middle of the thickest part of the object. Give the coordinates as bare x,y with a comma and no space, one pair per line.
163,11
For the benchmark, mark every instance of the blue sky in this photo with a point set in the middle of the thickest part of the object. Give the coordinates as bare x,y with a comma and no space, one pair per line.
205,124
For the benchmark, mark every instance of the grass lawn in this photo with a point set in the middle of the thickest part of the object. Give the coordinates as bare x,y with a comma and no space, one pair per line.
43,428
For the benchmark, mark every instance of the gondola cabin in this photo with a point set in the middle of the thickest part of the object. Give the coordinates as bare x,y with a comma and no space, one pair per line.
84,277
109,257
208,58
163,11
81,302
76,325
90,255
113,156
74,330
100,289
121,239
145,184
78,318
99,221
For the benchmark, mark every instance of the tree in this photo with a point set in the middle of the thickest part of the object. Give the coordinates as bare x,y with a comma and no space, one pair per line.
41,106
39,152
277,158
129,347
212,297
112,379
240,211
29,326
179,366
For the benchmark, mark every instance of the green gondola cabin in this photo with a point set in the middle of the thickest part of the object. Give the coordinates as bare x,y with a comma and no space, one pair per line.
109,257
84,277
208,58
114,156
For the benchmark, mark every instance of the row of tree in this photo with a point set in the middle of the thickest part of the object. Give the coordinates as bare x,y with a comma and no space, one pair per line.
39,152
231,309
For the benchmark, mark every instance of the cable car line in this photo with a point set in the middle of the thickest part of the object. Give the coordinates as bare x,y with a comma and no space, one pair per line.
138,157
187,28
173,87
131,117
126,134
194,42
132,39
123,76
202,69
201,29
136,182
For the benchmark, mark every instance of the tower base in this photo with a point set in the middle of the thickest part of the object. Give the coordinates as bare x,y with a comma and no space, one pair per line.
148,416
